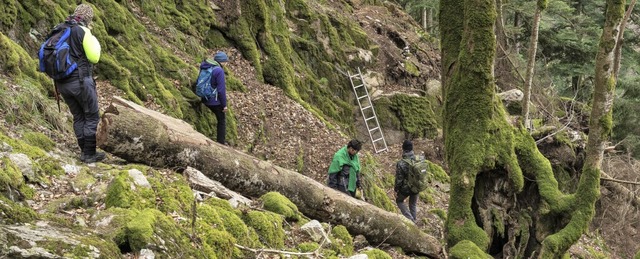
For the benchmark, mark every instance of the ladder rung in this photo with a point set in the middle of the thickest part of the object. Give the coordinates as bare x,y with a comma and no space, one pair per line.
378,139
356,75
384,149
367,119
367,107
361,97
358,86
374,129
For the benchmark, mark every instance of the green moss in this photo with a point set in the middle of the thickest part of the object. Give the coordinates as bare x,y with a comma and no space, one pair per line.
372,180
209,217
173,190
10,175
466,249
308,247
39,140
377,254
9,11
49,166
219,203
120,194
416,115
341,241
268,225
218,241
233,223
442,214
20,146
426,196
637,256
276,202
13,212
411,68
140,229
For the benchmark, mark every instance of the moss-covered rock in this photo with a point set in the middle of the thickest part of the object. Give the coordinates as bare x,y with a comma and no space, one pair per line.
377,254
341,241
39,140
233,224
467,249
308,247
120,193
268,225
13,212
276,202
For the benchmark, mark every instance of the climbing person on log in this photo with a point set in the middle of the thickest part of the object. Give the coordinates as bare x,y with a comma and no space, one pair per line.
402,186
344,171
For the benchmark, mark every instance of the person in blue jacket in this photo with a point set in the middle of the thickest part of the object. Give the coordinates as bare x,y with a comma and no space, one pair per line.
217,105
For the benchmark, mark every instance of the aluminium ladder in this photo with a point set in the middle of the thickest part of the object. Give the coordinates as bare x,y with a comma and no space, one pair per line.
368,112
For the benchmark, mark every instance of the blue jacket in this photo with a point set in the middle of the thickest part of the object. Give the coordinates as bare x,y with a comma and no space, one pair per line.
217,81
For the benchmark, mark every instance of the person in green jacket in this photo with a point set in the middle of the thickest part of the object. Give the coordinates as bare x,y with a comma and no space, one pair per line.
344,171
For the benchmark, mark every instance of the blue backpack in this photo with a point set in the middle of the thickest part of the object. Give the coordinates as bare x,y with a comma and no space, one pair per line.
203,84
55,53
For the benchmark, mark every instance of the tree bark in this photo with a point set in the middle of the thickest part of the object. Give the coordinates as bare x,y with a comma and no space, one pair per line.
533,48
600,126
139,135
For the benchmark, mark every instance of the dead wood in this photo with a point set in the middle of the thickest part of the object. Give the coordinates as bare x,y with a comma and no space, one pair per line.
140,135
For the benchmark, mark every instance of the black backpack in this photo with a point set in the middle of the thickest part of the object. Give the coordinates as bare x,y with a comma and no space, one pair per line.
55,53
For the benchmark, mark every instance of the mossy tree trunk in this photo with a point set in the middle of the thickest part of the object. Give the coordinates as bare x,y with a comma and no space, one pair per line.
504,197
139,135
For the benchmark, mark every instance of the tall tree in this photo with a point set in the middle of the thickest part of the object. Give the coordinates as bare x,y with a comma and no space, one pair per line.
533,47
504,199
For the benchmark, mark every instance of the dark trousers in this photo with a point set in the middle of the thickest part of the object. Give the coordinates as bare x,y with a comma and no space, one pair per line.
410,212
221,128
339,182
82,99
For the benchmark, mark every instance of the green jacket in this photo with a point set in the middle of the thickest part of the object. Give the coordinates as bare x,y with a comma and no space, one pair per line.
342,158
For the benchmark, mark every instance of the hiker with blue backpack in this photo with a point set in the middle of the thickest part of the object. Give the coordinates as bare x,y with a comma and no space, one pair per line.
344,171
67,56
411,179
212,90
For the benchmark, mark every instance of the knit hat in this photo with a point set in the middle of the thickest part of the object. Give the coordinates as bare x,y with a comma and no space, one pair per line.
407,145
85,12
221,57
217,58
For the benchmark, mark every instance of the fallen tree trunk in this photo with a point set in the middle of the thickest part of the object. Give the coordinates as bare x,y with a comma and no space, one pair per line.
140,135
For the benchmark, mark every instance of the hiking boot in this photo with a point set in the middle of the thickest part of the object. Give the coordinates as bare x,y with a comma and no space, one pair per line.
97,157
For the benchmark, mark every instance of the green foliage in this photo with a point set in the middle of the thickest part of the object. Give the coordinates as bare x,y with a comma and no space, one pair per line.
626,115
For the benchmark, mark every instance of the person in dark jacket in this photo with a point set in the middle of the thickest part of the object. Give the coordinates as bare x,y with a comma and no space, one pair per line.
218,105
79,89
401,188
344,171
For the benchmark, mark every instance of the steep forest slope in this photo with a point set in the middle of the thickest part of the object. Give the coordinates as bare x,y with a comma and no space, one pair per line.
291,103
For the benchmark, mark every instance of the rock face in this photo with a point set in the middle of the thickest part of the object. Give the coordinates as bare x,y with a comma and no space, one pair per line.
36,241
